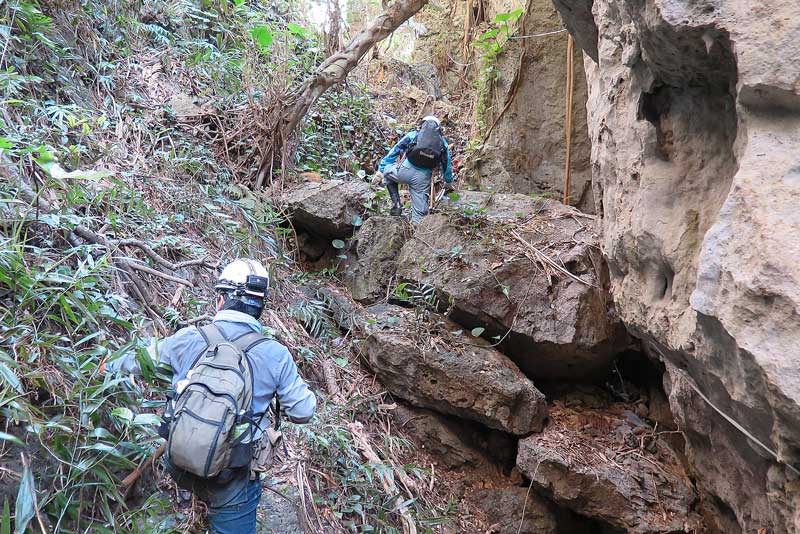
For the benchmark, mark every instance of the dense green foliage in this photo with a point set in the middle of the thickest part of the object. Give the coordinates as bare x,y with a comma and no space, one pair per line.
341,135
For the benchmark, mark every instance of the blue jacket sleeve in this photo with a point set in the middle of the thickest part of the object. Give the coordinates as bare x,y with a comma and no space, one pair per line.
297,400
398,150
174,353
447,165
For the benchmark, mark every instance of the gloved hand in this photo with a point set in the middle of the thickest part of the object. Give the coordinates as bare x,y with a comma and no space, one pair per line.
449,187
377,179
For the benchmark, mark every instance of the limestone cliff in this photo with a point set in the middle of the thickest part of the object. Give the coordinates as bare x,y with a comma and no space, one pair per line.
524,105
694,120
526,150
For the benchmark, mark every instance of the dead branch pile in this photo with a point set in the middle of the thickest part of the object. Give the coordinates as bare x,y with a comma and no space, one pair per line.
134,271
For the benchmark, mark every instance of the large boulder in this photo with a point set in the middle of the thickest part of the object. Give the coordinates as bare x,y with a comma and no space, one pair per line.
422,361
455,443
608,465
525,269
517,510
694,117
372,258
330,209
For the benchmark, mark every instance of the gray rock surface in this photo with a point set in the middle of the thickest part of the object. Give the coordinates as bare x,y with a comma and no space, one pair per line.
695,126
347,313
328,208
372,258
517,510
504,507
578,18
526,150
420,360
420,75
553,324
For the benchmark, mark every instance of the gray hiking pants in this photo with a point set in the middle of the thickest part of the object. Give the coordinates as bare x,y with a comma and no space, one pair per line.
419,183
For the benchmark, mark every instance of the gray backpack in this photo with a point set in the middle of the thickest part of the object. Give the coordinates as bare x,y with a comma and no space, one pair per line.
210,423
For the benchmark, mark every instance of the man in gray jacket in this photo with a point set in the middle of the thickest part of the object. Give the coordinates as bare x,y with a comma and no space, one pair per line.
241,289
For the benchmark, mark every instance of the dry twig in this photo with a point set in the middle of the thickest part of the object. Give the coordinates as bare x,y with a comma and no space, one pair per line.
357,430
134,475
547,259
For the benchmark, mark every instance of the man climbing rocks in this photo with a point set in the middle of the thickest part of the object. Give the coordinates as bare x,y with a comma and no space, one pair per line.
226,404
420,152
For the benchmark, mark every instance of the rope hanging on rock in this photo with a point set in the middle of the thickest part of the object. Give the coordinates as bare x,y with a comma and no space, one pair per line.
568,116
735,424
543,34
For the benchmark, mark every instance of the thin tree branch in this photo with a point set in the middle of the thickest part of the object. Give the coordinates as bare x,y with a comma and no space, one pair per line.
332,71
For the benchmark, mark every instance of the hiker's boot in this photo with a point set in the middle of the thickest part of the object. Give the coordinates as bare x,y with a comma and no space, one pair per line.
394,195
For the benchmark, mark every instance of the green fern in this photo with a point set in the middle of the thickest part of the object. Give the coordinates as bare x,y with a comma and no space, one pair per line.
314,316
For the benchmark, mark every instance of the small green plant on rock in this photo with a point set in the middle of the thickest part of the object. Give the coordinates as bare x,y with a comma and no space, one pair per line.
420,296
492,43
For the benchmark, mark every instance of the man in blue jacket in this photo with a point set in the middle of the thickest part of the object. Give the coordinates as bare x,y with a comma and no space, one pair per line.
420,152
241,290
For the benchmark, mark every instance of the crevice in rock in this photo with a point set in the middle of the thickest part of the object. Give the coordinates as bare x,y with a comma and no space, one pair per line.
634,379
662,282
314,250
719,514
543,361
569,522
542,515
654,107
457,443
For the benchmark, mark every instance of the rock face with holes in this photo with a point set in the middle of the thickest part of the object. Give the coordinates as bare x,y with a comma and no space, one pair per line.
328,209
423,362
694,118
527,271
372,258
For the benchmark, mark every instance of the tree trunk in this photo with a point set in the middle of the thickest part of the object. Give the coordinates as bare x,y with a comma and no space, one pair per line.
333,40
332,71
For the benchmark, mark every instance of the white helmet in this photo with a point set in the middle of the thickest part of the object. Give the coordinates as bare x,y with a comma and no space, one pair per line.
245,280
432,118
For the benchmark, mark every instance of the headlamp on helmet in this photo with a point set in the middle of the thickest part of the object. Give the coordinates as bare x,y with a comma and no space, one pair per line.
256,286
246,281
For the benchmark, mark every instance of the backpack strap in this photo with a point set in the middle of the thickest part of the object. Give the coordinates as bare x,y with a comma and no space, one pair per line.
212,335
277,423
245,343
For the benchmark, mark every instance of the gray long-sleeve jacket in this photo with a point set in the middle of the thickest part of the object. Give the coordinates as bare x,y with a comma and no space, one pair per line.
274,370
